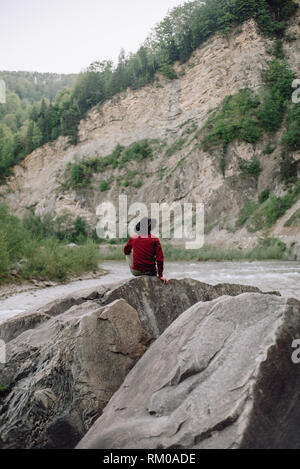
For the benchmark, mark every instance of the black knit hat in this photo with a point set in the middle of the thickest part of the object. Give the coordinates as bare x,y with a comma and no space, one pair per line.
145,226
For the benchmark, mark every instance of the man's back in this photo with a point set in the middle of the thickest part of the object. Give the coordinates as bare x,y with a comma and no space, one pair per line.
147,253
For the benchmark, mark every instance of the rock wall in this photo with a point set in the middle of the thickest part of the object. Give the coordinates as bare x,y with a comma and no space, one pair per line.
163,113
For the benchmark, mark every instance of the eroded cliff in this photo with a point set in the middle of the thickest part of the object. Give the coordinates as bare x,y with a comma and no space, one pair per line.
170,115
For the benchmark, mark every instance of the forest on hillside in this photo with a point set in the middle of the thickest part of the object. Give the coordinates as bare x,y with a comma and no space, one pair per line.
26,94
41,107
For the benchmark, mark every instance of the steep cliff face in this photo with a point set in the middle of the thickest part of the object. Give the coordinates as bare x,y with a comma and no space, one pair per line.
168,113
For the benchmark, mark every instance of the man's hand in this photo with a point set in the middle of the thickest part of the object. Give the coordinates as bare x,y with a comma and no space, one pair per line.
165,280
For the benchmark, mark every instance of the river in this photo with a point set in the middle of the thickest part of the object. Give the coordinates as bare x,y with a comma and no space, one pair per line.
271,275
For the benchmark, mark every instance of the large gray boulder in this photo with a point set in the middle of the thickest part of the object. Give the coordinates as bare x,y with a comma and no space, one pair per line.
66,359
33,318
158,305
60,375
221,376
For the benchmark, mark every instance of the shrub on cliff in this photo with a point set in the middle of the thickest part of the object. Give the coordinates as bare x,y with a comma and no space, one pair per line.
257,216
245,115
250,168
235,119
138,151
103,185
292,137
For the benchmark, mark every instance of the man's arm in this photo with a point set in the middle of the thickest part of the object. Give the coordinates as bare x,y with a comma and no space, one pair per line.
160,262
128,247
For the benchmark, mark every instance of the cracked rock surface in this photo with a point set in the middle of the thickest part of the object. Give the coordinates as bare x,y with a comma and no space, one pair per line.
67,359
221,376
60,375
157,305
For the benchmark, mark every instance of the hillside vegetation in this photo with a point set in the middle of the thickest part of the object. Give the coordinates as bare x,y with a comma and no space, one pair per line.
28,94
175,38
37,248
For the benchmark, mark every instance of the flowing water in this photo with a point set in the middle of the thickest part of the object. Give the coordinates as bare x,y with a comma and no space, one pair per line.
271,275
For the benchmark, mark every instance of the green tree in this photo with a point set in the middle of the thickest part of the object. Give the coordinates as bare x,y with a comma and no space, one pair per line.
4,256
79,230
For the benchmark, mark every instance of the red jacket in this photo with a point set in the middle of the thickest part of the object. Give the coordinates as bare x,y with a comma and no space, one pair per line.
147,252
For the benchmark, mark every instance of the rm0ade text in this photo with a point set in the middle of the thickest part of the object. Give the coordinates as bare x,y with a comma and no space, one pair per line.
151,458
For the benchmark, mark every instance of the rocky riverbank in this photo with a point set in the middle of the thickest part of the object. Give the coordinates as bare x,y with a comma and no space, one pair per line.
10,289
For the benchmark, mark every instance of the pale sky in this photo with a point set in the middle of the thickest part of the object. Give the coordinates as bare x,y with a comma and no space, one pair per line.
65,36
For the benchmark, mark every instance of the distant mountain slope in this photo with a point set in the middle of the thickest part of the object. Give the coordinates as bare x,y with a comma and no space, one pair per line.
35,86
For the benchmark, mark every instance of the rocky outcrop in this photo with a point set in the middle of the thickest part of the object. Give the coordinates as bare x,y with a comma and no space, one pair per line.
33,318
157,305
221,376
67,359
62,374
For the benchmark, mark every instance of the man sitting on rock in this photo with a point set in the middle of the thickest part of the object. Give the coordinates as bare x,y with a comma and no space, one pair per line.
148,258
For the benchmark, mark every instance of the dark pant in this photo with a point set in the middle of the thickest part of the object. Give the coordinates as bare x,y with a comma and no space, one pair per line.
139,273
